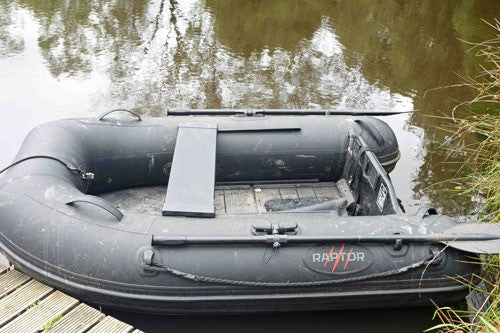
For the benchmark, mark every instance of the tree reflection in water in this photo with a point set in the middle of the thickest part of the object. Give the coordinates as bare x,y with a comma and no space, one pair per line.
267,54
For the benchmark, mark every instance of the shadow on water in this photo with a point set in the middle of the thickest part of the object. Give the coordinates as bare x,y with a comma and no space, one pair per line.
374,320
72,58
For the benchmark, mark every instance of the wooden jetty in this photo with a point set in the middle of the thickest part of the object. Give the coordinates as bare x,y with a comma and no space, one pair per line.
28,306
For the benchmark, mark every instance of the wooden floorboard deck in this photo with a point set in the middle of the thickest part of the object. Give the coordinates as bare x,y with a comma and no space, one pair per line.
228,199
29,306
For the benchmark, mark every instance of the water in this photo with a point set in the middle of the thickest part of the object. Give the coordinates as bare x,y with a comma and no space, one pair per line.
71,58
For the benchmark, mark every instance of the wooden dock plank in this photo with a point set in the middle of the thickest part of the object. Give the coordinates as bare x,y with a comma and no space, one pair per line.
28,306
262,195
78,320
34,319
10,281
21,299
111,325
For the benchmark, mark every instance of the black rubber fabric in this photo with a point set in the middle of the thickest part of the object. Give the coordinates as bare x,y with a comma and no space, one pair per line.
97,255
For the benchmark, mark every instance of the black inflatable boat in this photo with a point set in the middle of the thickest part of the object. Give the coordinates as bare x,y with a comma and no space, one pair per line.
262,213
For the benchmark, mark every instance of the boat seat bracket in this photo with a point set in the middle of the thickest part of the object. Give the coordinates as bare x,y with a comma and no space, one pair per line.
346,192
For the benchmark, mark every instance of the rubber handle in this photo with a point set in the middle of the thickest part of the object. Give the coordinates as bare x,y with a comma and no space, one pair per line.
102,116
99,202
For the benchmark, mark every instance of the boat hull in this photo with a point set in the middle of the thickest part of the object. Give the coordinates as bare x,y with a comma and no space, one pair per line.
91,251
376,295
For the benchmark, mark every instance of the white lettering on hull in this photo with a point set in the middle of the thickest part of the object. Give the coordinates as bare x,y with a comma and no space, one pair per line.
352,256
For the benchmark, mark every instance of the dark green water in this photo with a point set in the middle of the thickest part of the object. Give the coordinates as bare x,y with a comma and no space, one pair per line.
80,58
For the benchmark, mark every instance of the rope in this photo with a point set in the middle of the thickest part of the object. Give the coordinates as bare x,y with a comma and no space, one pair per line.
83,174
201,278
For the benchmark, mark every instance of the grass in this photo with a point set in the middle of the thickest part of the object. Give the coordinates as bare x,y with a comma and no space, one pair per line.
477,136
482,170
51,322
